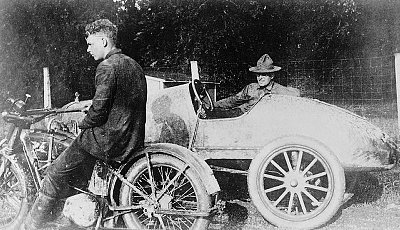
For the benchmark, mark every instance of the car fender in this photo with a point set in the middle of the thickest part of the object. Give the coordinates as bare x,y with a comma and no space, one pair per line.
296,139
185,155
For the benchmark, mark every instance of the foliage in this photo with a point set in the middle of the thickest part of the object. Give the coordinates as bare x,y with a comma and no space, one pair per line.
46,33
228,36
224,36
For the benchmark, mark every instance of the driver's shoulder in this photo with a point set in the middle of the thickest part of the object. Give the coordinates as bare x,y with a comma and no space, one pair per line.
286,90
252,87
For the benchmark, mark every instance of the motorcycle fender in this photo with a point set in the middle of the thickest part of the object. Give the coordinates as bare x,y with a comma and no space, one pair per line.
185,155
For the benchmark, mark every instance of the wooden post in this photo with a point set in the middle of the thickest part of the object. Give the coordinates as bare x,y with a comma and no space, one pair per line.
46,88
397,73
194,69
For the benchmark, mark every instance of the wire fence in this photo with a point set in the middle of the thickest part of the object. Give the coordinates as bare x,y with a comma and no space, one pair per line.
365,86
355,82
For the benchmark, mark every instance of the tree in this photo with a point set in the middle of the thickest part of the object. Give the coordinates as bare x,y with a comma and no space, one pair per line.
228,36
224,36
47,33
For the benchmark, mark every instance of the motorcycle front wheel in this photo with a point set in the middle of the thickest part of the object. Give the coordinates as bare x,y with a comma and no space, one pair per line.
17,185
17,192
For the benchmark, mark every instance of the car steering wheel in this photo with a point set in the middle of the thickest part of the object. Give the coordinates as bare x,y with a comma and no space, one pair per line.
202,96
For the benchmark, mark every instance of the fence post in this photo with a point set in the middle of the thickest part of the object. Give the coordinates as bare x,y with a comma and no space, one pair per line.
397,73
46,88
194,69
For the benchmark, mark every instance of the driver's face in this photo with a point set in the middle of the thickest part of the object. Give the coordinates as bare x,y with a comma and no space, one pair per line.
264,79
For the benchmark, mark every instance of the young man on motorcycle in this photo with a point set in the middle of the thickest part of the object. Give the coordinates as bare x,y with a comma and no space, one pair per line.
112,128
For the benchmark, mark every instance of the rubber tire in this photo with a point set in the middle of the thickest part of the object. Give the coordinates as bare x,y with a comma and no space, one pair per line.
28,191
138,167
20,169
256,191
352,180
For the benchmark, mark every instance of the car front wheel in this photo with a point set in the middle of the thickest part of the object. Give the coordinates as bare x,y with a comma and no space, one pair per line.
296,183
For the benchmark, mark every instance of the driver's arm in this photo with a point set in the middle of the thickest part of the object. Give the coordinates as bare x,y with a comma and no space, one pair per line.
234,100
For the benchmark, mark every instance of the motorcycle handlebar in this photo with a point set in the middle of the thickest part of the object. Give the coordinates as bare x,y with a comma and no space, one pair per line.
51,111
15,118
34,115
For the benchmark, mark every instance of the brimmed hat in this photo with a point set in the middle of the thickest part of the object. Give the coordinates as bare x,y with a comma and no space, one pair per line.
264,65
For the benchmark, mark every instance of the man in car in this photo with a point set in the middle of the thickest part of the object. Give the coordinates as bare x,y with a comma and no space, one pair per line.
243,101
113,127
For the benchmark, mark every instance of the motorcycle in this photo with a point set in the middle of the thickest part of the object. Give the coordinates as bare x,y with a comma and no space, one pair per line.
154,188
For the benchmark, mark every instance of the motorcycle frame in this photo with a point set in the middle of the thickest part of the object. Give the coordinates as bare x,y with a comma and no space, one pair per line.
106,183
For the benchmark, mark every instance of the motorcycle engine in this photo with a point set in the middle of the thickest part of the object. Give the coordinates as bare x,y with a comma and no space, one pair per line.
82,209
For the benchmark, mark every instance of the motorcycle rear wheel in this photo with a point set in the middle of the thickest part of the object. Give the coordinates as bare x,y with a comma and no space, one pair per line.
186,194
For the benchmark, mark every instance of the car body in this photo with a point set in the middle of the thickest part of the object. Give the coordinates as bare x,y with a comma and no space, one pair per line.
358,144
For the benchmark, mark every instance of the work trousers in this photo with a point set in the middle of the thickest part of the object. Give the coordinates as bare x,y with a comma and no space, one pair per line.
73,168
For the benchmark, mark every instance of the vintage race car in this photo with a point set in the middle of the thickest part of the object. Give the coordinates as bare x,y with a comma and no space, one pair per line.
300,149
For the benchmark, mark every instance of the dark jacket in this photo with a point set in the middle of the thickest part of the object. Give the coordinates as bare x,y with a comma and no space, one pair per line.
252,93
115,123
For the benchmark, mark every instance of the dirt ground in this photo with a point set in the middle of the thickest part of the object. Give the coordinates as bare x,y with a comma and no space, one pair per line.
374,205
243,215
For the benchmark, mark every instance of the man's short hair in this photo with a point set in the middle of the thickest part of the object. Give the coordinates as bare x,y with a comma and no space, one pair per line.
102,26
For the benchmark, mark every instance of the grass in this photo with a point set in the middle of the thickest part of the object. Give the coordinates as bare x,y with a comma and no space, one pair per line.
388,182
383,115
3,128
374,205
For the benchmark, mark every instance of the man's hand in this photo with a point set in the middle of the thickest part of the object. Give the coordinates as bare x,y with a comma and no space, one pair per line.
202,113
85,109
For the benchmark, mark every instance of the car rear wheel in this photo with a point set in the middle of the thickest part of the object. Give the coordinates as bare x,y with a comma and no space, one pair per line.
296,183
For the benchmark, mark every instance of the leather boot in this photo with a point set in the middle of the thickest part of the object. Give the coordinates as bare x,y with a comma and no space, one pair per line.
40,213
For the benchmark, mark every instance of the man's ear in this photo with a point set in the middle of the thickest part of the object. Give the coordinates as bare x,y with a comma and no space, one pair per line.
105,42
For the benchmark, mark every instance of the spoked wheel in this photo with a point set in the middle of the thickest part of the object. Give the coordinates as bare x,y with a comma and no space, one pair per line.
17,185
16,193
298,184
170,195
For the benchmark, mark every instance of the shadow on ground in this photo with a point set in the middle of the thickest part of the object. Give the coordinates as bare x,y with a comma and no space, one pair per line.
233,217
233,188
366,189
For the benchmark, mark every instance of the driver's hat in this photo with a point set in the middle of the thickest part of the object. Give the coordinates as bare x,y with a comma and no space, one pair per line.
264,65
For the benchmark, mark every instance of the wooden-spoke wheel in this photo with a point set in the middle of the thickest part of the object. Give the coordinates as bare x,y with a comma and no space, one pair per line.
297,185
